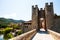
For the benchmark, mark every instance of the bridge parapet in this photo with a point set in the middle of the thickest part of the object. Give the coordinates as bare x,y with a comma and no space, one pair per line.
25,36
54,34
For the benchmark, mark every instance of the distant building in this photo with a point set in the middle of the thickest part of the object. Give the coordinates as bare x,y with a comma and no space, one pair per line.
26,26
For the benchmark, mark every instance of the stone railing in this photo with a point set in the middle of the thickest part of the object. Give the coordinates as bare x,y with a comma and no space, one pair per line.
54,34
25,36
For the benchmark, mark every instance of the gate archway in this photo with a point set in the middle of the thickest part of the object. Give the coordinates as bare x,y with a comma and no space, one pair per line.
42,24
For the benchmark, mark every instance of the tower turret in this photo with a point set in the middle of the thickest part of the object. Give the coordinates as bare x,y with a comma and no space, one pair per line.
49,14
35,17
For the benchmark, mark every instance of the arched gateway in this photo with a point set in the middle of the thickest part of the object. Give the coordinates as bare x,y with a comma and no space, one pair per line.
42,24
42,18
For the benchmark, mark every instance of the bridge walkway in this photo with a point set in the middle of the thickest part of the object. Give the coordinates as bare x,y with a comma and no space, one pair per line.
42,35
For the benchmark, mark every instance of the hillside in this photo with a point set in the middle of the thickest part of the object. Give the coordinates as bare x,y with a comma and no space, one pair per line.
4,20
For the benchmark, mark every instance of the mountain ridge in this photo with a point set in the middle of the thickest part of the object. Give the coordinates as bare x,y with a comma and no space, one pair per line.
10,20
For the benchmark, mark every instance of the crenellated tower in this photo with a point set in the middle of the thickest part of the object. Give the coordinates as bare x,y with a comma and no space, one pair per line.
35,17
43,18
49,15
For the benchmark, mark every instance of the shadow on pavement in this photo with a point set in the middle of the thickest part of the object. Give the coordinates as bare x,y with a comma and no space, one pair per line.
43,32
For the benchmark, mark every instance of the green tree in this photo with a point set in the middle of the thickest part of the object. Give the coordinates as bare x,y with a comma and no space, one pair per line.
19,32
7,30
1,31
8,36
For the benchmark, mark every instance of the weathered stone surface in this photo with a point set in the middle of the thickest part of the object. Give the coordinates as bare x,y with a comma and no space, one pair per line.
54,34
25,36
50,20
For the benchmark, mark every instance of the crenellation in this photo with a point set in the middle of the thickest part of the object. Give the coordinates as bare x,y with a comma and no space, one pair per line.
51,3
46,4
32,6
41,8
36,6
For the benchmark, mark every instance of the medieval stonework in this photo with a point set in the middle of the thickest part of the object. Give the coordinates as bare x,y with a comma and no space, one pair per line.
43,18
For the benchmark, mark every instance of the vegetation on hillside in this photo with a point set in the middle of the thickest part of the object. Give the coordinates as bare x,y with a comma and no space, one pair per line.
9,27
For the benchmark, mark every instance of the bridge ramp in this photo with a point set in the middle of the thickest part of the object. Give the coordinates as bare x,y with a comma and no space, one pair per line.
42,35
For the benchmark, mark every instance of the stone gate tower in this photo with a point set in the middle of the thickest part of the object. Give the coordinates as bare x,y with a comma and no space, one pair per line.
42,18
35,16
49,15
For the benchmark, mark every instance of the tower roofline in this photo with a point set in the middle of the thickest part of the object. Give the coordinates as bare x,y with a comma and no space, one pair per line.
46,4
51,2
41,8
36,6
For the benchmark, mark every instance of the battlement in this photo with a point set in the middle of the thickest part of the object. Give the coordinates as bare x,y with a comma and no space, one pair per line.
34,6
46,4
50,4
41,8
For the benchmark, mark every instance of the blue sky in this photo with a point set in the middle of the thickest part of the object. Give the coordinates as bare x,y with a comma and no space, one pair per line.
21,9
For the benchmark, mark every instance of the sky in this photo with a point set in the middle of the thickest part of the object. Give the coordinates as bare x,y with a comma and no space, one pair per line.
22,9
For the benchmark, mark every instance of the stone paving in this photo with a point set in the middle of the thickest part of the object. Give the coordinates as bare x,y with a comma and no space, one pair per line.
42,35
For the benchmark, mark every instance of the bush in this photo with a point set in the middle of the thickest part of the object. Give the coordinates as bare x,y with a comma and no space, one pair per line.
19,32
1,31
8,36
3,25
7,30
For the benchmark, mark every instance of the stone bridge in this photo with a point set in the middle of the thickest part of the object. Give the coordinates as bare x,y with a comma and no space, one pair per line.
40,35
43,18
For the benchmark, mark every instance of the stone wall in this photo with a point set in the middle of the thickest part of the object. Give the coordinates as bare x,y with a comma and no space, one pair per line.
49,15
54,34
25,36
34,17
56,25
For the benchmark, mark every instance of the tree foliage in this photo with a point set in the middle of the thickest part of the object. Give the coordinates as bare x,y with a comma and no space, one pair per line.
8,36
19,32
7,30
